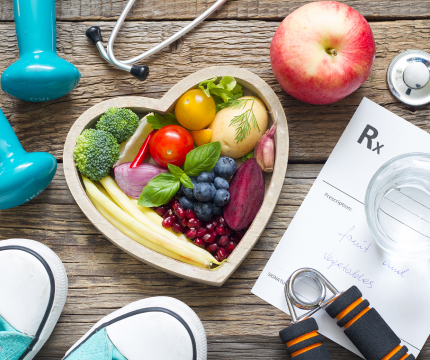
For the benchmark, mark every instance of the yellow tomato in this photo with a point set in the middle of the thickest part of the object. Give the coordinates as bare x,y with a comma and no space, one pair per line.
194,110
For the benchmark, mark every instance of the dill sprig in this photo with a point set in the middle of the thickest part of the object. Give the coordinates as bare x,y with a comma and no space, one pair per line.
243,121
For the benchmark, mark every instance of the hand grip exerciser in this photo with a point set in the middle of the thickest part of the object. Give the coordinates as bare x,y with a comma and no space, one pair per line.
23,175
363,325
39,74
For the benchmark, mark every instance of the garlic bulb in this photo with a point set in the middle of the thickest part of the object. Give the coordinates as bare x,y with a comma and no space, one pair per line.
265,150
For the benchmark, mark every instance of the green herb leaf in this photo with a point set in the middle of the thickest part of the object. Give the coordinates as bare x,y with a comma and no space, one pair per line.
202,158
159,190
175,170
226,89
248,156
158,121
228,82
243,121
186,181
181,176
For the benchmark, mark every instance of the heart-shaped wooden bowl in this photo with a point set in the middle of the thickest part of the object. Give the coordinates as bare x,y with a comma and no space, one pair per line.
142,105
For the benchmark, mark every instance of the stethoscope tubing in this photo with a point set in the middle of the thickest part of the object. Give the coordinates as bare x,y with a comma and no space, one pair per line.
109,55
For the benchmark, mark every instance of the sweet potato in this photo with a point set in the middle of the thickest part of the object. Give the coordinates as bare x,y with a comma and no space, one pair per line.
246,195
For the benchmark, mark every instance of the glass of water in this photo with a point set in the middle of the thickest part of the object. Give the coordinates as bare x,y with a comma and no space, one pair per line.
397,206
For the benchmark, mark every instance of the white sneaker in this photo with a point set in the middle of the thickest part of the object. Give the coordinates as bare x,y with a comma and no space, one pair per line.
33,288
158,328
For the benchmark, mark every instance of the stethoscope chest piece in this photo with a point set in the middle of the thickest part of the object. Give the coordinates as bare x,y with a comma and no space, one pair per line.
408,77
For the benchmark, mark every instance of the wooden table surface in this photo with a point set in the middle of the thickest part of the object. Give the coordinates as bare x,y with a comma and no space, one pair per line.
103,278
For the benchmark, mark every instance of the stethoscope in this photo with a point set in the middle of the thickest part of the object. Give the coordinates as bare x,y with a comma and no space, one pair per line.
140,71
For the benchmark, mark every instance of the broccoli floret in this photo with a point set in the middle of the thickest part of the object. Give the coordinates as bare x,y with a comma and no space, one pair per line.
95,153
121,123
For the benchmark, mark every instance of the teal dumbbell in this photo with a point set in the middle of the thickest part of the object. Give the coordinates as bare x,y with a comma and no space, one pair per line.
39,74
23,175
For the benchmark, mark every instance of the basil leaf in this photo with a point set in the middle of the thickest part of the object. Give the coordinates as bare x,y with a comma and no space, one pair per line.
203,158
175,170
181,176
186,181
159,190
158,121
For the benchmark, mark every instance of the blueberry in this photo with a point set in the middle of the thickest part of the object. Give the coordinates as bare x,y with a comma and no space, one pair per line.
205,177
213,189
187,203
225,167
203,192
193,179
217,210
181,190
203,211
221,183
189,193
222,197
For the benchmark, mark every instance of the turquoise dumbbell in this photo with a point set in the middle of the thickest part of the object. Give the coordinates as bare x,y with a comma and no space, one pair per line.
23,175
39,74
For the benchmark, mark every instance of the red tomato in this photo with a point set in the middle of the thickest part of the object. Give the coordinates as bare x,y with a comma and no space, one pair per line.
170,145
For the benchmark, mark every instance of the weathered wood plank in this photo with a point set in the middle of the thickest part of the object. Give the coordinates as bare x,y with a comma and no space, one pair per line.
233,9
102,278
314,130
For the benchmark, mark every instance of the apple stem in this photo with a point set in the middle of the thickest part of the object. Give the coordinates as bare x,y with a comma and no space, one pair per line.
331,52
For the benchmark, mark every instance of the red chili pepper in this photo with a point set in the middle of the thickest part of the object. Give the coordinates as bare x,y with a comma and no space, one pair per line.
144,151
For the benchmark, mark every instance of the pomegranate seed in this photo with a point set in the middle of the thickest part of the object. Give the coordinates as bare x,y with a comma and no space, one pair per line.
177,228
200,232
167,222
191,234
221,254
183,222
220,230
168,213
161,210
212,248
217,258
190,214
210,227
223,241
239,235
228,231
230,247
215,235
195,224
200,243
221,220
236,238
214,223
175,204
209,238
180,212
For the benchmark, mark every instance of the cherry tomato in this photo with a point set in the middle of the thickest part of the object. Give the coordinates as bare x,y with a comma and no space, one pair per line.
170,145
194,110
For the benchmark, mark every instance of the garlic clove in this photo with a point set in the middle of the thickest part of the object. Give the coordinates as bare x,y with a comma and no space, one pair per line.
265,150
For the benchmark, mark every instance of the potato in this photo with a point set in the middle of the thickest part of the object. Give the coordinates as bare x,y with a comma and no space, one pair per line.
225,133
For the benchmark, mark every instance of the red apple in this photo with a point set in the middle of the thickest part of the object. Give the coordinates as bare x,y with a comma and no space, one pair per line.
322,52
